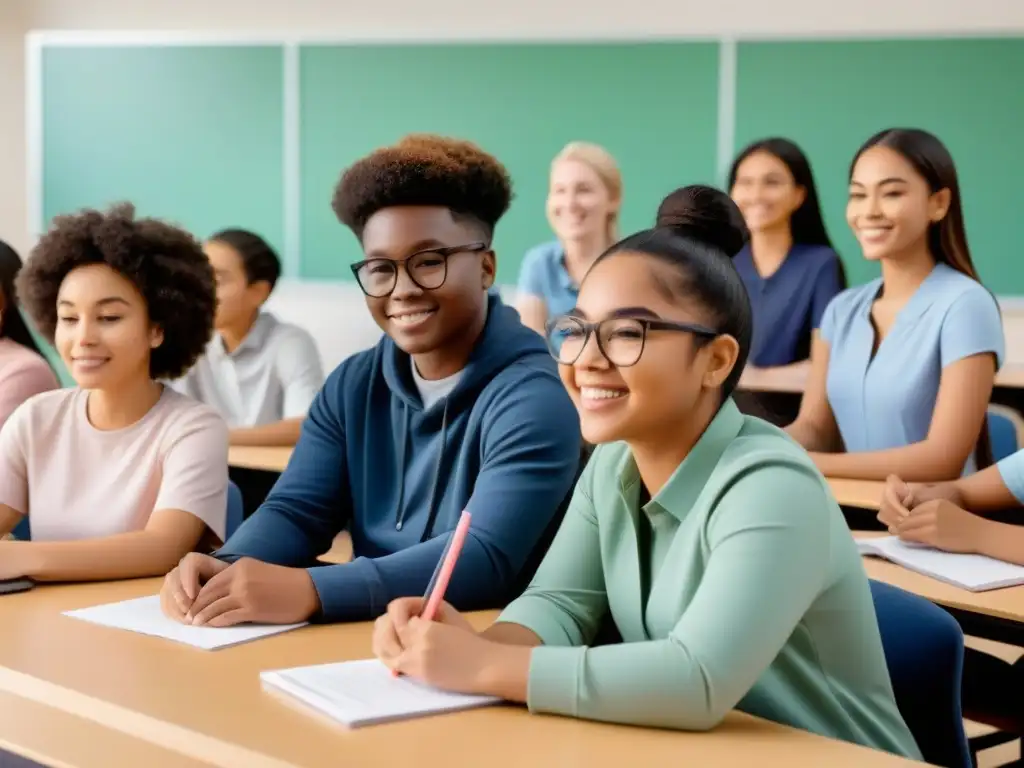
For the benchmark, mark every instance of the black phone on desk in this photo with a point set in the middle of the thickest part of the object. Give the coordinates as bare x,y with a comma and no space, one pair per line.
10,586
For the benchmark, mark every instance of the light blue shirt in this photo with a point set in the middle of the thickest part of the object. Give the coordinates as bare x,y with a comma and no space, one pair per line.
543,275
887,401
1011,469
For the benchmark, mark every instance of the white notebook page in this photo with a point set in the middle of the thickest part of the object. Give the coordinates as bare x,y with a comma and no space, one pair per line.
365,692
972,572
143,615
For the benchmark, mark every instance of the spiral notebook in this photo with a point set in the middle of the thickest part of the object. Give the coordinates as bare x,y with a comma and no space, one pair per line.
976,573
358,693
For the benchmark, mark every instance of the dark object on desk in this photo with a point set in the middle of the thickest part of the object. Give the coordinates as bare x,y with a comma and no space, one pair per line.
10,586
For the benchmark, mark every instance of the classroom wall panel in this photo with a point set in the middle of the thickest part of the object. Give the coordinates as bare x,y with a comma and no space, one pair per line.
830,97
654,106
193,134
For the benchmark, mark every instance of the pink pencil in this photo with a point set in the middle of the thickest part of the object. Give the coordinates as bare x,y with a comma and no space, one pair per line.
435,596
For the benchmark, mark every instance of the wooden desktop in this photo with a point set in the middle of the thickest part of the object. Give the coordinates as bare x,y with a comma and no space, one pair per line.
121,690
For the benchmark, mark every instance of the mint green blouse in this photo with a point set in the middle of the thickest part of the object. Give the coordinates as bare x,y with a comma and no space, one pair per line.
737,586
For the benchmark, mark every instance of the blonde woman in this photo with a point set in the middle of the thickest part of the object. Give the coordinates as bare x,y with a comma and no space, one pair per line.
583,209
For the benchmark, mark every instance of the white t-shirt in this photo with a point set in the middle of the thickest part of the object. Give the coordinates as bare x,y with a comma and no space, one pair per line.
432,391
75,481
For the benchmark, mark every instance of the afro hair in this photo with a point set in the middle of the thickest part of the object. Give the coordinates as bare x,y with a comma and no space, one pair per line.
424,169
165,264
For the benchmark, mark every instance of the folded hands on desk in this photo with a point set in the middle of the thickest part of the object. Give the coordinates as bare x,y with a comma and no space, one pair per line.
205,591
927,514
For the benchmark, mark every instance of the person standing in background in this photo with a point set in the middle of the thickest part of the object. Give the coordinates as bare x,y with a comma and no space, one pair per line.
259,373
584,198
23,369
788,266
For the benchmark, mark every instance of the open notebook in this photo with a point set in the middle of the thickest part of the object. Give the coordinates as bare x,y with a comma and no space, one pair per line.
976,573
364,692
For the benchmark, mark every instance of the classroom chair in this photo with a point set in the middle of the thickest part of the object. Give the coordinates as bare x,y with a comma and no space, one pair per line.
23,531
1006,431
924,651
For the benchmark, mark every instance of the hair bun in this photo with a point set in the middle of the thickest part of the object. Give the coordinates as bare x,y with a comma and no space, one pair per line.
705,214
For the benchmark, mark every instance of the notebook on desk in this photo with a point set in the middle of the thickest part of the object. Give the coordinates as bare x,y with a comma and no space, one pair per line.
358,693
976,573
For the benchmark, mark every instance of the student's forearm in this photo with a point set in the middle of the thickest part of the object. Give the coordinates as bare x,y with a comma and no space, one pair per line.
280,433
124,556
916,463
810,437
508,633
999,540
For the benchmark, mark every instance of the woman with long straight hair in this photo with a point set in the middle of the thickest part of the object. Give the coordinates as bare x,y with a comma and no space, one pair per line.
903,367
788,266
24,371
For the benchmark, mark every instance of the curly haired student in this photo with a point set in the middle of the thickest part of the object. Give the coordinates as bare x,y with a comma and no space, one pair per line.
119,476
458,407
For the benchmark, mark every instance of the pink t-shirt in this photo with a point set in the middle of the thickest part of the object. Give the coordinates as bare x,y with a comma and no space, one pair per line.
23,373
78,482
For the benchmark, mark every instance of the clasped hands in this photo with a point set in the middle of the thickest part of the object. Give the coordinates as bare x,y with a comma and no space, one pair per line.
205,591
929,515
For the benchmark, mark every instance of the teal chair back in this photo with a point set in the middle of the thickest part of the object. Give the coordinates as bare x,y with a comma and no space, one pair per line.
1002,431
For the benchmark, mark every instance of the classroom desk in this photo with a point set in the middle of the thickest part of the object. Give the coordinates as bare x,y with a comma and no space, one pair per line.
997,614
862,494
209,705
259,457
794,380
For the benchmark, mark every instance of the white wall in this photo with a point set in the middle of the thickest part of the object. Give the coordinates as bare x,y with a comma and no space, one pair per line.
335,314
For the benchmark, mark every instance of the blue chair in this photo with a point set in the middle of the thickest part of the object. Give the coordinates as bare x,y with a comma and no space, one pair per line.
924,651
236,510
1004,428
236,514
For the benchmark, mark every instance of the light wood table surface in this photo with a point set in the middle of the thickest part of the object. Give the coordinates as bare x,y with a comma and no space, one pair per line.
863,494
1006,603
259,457
794,380
209,705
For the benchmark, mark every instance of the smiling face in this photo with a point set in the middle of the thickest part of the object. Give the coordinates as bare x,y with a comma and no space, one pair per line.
419,320
579,204
765,192
103,331
891,207
675,376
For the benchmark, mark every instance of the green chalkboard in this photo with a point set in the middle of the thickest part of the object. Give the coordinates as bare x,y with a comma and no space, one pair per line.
192,134
831,96
654,106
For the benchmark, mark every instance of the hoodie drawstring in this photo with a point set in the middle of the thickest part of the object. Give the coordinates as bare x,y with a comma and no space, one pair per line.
431,510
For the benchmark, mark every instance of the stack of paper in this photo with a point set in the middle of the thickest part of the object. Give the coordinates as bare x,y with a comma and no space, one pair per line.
364,692
976,573
143,615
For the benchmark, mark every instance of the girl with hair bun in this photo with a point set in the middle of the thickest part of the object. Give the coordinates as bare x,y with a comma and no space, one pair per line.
707,539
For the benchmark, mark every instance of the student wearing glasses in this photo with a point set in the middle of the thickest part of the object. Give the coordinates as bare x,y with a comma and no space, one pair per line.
706,537
458,406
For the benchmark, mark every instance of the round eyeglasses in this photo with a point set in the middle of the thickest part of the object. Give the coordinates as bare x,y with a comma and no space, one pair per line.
620,339
427,268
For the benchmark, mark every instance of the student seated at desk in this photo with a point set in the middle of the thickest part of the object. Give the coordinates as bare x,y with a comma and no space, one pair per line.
949,516
903,367
23,369
584,198
707,537
789,267
458,406
119,476
259,373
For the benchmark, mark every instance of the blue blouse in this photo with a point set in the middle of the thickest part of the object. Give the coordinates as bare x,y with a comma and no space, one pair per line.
887,400
789,303
543,275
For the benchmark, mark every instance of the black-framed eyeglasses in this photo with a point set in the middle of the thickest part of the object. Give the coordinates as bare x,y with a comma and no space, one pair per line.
427,268
620,339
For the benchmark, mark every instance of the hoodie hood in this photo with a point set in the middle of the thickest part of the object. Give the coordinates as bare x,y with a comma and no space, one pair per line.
504,341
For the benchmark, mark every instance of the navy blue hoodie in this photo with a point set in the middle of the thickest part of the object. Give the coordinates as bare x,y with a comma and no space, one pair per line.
504,444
